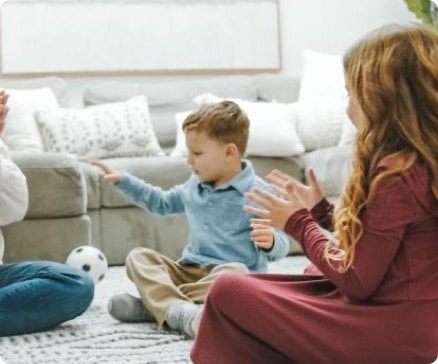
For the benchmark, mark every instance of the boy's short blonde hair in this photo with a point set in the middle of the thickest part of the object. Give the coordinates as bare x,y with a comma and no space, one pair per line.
224,121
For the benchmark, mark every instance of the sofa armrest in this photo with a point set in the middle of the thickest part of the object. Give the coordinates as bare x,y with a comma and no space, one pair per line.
56,184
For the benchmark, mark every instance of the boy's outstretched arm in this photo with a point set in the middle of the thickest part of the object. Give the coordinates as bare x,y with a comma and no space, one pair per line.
148,197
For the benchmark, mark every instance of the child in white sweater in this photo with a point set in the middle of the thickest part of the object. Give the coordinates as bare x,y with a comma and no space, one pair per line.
29,291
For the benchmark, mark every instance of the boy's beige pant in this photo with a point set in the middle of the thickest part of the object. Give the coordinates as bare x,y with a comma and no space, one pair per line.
162,282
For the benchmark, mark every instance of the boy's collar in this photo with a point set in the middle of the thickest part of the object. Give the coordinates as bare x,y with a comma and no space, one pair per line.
240,182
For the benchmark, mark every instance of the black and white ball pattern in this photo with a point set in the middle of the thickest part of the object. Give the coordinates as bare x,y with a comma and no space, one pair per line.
91,260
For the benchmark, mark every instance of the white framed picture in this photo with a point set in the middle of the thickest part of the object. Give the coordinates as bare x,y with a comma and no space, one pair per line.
155,36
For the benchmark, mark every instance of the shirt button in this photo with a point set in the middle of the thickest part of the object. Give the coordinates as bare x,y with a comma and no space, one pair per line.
206,226
210,203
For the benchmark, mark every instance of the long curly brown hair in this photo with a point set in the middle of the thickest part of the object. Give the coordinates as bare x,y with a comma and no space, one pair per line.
393,74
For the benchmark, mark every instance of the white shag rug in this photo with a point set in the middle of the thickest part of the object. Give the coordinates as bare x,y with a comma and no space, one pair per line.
95,337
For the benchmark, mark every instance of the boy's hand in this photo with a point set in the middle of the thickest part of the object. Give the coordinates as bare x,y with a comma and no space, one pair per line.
109,174
3,109
262,234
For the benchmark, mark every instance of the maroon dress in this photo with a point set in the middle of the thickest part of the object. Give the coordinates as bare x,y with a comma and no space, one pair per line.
383,310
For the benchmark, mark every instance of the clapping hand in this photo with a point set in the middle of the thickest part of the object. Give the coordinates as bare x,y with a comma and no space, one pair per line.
110,174
274,210
310,194
294,195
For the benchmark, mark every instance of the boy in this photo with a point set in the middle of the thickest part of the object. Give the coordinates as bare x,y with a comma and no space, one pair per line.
221,236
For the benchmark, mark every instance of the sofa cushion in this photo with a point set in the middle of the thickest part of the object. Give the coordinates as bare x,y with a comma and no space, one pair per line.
21,132
167,98
289,165
272,130
180,149
349,131
119,129
322,75
45,239
56,84
93,183
277,88
320,121
332,166
55,182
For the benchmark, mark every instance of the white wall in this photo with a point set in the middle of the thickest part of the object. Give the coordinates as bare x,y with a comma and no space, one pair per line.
322,25
152,36
331,25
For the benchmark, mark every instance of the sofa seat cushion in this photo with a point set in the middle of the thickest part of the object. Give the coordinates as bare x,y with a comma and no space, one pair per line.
93,183
45,239
55,182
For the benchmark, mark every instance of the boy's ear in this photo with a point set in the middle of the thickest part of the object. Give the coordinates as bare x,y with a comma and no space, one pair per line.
231,150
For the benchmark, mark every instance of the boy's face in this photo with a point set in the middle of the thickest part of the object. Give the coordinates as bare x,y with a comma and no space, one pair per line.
211,160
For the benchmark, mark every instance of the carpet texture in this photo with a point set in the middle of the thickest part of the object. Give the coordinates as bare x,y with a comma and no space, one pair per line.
95,337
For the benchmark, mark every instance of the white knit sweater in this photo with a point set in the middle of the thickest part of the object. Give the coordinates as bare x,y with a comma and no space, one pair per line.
14,196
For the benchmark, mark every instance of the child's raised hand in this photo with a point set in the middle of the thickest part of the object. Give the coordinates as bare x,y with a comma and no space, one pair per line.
286,185
262,234
110,174
275,210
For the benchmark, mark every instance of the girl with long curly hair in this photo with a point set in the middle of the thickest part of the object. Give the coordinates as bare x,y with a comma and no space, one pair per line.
375,297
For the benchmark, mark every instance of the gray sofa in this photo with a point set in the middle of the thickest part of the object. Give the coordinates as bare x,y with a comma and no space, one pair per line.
71,205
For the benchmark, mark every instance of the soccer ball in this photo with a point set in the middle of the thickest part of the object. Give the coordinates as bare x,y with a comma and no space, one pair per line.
91,260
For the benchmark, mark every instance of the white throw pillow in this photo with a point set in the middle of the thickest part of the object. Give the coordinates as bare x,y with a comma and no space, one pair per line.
322,120
322,75
348,136
120,129
21,133
272,131
319,121
180,149
332,167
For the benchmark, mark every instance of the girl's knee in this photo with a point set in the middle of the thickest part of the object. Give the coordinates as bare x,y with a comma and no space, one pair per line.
227,288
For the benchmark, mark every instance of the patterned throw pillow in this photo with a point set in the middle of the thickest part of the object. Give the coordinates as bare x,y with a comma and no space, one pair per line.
120,129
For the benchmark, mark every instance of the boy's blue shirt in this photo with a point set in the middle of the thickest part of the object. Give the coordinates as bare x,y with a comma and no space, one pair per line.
219,228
